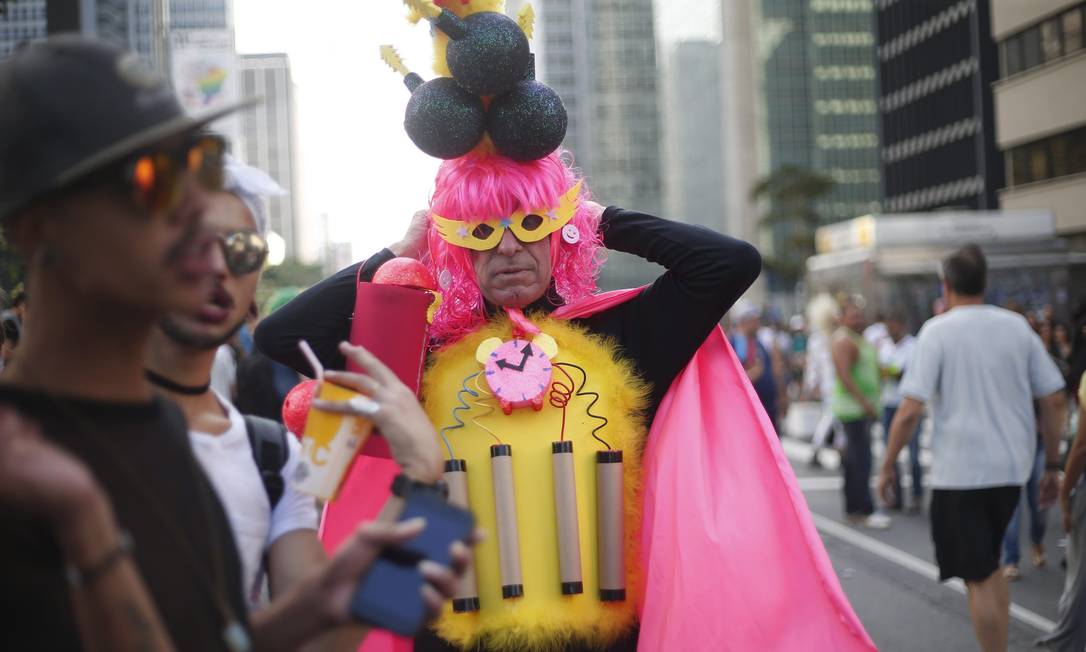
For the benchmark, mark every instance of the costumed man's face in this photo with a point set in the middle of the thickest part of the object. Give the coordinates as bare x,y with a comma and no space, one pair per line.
237,271
514,274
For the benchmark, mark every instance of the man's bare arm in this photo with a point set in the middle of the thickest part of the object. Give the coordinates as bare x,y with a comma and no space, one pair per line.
901,431
1053,413
113,608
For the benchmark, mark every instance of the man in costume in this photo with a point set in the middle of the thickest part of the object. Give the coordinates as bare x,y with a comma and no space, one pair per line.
527,364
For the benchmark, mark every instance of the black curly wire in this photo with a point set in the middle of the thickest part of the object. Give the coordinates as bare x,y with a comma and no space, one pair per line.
595,399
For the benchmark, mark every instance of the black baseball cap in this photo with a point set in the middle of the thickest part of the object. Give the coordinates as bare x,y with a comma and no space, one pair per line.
70,106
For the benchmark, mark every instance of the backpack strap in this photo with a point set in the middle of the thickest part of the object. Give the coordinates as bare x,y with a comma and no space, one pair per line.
268,441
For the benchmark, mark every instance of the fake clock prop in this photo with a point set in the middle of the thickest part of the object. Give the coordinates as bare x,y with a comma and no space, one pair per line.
518,371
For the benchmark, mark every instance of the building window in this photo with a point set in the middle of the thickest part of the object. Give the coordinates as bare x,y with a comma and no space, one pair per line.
1050,39
1012,57
1031,48
1046,41
1049,158
1072,31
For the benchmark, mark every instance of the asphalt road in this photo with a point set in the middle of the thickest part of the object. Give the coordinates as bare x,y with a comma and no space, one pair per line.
891,579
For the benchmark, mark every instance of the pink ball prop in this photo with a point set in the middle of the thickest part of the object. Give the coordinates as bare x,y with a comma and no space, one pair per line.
406,272
296,406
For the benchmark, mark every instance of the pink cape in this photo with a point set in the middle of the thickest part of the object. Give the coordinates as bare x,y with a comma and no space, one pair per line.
731,557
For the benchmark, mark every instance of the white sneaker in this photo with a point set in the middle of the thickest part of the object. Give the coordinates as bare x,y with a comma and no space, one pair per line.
877,521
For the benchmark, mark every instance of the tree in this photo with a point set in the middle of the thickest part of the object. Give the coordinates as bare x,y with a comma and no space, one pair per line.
291,274
791,193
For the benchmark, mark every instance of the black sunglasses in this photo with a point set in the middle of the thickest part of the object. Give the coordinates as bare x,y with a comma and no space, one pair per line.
244,251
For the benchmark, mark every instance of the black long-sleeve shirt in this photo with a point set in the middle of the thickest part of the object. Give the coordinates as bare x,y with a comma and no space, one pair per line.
659,330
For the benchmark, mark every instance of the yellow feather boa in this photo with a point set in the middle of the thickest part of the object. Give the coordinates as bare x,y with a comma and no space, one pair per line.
543,619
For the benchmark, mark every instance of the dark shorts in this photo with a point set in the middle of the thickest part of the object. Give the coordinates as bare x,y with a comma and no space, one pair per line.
967,526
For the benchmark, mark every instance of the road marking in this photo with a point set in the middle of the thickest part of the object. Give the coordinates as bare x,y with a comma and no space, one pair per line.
915,564
800,452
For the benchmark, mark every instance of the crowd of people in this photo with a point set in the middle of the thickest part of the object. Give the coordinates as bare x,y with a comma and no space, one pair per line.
997,382
153,500
149,486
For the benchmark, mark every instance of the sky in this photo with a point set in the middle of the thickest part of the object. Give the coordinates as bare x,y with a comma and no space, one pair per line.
355,161
356,164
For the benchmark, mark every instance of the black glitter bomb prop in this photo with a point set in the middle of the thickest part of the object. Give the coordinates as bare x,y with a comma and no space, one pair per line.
490,61
528,122
490,55
443,119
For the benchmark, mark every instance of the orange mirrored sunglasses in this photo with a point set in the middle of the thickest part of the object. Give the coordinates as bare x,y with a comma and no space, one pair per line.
157,177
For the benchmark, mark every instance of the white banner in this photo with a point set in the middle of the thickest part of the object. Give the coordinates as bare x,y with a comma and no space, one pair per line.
207,75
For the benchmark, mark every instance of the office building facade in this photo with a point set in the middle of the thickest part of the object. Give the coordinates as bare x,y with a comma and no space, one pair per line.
937,63
844,101
1042,52
600,56
21,20
268,137
695,159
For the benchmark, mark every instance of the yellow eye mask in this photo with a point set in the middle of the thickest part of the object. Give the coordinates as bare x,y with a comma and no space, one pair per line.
527,226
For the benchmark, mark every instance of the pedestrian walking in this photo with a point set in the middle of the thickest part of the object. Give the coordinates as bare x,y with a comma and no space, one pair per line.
818,373
855,395
1070,632
980,367
895,357
756,359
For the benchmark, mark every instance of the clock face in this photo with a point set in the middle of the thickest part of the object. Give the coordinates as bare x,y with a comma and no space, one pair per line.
518,373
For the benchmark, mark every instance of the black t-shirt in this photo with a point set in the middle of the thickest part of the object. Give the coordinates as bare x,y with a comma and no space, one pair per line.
151,439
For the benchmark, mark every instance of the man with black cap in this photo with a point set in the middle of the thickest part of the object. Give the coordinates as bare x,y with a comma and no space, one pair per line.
113,537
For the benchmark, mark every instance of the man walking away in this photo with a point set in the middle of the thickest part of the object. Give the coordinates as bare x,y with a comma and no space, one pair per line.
981,367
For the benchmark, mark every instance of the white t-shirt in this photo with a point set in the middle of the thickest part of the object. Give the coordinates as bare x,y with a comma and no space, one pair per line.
897,356
228,461
224,371
981,367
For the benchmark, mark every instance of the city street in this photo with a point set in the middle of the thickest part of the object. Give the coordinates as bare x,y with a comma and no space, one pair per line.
891,579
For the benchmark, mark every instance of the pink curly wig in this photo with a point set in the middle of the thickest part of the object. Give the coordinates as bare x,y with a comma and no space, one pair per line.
475,188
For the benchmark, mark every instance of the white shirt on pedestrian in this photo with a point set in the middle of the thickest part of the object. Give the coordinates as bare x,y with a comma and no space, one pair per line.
896,356
224,371
980,367
227,459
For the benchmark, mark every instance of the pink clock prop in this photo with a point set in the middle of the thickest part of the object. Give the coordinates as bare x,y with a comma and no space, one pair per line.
518,371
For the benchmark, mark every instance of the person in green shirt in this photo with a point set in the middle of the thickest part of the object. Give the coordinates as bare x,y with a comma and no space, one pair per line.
854,400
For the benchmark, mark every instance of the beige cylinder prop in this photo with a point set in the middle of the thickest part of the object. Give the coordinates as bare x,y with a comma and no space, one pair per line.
466,597
565,511
610,513
505,507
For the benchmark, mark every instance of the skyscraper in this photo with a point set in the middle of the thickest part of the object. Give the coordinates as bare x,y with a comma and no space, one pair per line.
739,92
200,14
268,134
136,25
127,23
22,20
600,56
937,63
695,160
844,94
786,83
